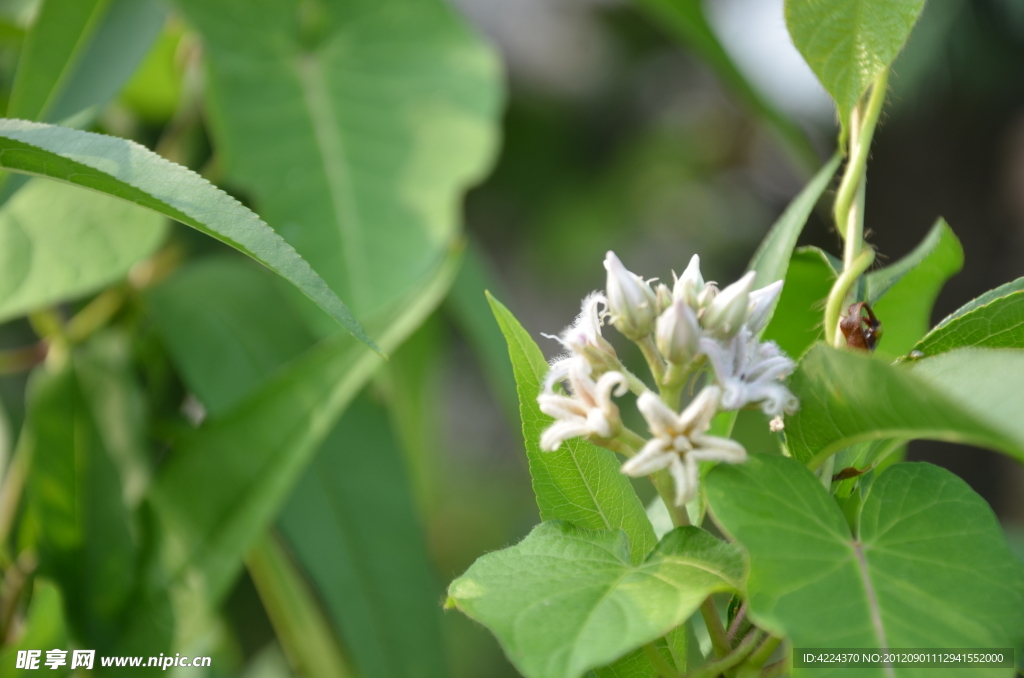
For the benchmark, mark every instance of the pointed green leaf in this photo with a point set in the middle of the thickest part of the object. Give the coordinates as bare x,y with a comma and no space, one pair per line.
903,294
381,113
847,398
565,600
579,482
225,483
929,565
85,534
128,171
993,320
797,321
58,242
771,260
848,43
353,527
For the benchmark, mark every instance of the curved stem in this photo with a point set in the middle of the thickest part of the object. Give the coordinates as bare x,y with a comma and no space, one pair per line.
836,298
760,657
861,133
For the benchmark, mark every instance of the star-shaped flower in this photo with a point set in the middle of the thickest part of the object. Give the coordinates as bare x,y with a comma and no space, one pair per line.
588,411
750,371
680,441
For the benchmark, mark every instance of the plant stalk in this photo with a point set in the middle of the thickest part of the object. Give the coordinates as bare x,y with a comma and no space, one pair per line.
665,670
720,666
837,296
719,638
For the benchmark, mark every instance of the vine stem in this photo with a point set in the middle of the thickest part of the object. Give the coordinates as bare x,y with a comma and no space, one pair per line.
849,205
837,296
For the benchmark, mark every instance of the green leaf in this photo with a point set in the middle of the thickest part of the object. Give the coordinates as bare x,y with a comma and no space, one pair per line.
78,53
984,382
224,484
797,321
565,600
929,565
97,242
128,171
293,610
44,629
848,44
213,316
579,482
848,398
771,260
85,534
903,294
993,320
689,23
353,527
382,113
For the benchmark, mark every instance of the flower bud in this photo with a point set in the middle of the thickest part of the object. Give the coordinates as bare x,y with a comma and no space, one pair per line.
678,333
664,297
690,284
631,301
761,303
728,310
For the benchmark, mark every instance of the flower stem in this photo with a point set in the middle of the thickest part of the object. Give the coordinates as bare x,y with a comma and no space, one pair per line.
653,358
663,484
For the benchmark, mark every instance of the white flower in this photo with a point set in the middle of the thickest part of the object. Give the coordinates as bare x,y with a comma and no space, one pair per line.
588,411
761,303
632,302
727,311
583,337
690,284
678,333
680,442
750,371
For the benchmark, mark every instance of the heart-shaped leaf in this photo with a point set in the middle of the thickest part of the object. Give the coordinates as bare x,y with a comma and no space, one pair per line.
928,566
565,600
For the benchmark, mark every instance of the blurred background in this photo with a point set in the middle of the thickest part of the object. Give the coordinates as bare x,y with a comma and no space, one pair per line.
618,134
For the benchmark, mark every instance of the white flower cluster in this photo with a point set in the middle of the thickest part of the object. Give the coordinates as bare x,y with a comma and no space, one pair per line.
682,329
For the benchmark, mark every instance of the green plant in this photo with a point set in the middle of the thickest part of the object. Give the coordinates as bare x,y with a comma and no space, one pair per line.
830,543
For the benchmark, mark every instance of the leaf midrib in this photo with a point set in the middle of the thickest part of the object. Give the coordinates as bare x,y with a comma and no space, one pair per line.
331,148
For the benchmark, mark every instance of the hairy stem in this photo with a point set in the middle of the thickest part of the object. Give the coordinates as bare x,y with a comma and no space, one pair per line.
663,484
862,130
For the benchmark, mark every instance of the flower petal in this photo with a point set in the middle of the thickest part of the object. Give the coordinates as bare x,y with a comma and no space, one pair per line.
653,457
559,432
660,418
